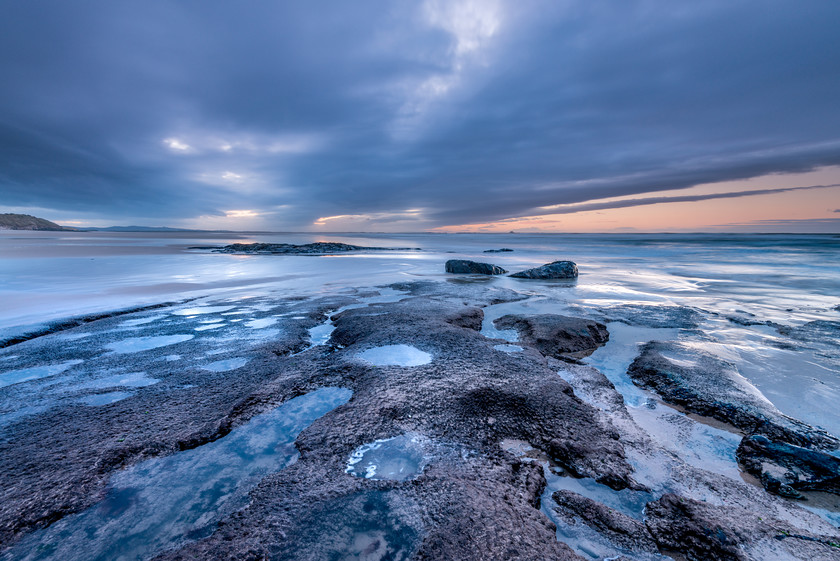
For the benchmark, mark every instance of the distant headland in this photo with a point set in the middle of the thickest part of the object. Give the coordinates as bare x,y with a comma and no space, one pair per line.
11,221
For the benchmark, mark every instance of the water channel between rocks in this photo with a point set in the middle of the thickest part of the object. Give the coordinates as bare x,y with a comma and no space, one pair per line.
165,502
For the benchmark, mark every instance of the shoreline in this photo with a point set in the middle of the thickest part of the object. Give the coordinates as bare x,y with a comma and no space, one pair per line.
462,405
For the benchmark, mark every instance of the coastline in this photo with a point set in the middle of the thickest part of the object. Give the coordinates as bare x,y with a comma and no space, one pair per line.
491,414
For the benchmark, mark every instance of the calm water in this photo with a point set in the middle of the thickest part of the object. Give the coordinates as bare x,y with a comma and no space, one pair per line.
732,283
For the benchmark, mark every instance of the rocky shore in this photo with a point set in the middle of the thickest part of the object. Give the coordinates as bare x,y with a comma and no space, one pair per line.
449,444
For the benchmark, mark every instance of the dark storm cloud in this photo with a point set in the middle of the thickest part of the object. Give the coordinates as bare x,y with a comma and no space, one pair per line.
176,110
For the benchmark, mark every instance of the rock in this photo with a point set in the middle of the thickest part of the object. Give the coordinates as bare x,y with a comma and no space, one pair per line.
473,501
555,270
786,469
557,336
465,267
619,528
502,250
704,384
704,532
317,248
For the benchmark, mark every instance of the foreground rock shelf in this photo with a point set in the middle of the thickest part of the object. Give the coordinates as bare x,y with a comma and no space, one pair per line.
416,465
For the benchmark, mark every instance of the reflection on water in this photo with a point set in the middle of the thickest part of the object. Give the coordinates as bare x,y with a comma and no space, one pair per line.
164,502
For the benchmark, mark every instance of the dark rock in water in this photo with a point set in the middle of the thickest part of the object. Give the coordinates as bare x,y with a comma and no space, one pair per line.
704,532
622,530
555,270
558,336
466,267
786,469
317,248
502,250
819,331
704,384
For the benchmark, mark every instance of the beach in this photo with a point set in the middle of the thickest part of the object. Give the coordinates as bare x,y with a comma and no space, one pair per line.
159,399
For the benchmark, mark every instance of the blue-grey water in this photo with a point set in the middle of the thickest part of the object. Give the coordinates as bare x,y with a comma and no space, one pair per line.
167,501
789,279
770,304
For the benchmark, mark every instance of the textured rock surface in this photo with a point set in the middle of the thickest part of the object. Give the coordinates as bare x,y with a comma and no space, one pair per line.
703,532
707,385
554,270
557,336
466,267
473,501
188,407
620,529
785,469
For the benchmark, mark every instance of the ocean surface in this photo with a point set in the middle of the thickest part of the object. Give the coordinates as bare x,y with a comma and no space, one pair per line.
768,304
787,279
738,283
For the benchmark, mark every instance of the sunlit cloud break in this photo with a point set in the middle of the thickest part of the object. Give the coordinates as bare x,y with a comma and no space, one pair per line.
583,207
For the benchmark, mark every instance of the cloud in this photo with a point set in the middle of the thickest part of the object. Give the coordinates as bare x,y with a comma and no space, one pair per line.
584,207
473,111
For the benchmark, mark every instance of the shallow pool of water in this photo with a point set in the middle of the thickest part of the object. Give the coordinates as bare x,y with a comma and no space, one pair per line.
225,365
139,344
396,355
35,372
165,502
398,458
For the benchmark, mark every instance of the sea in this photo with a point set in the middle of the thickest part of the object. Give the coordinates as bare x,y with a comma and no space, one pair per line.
769,304
741,284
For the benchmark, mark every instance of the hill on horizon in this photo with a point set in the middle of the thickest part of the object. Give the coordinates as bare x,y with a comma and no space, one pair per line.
12,221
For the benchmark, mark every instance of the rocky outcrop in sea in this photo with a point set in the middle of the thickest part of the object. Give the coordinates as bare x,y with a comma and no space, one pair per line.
316,248
466,267
554,270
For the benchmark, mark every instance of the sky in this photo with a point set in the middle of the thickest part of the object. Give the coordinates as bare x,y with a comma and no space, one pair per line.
459,115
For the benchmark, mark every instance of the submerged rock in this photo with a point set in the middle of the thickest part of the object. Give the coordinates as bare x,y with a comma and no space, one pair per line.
704,384
557,336
786,469
554,270
466,267
649,315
